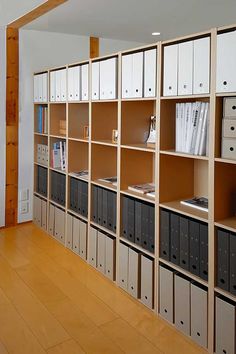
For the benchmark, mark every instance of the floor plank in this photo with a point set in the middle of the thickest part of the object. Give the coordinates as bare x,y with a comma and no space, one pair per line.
53,302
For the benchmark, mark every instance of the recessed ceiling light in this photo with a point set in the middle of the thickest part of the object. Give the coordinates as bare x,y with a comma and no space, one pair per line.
155,33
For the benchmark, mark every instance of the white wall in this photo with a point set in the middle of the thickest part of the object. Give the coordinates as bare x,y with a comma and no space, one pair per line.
39,51
2,123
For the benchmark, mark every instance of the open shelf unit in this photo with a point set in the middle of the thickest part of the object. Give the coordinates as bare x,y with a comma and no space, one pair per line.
176,175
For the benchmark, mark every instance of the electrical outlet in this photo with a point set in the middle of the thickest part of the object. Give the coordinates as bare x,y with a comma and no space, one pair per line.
24,194
24,207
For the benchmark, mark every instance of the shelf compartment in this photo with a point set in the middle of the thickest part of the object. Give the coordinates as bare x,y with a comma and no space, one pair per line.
225,293
168,117
139,196
183,178
58,119
227,224
40,155
77,156
140,161
52,141
218,125
104,120
41,113
105,185
140,147
137,247
225,191
41,180
78,118
182,154
58,187
103,229
104,161
184,272
177,207
135,122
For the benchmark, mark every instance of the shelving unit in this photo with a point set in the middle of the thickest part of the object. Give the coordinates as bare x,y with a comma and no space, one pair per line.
177,176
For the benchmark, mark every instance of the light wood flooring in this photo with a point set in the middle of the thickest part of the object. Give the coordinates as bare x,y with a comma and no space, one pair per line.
53,302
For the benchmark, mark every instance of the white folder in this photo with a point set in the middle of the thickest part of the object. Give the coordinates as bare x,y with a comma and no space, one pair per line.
95,80
53,86
58,85
127,69
201,66
137,79
150,64
45,87
170,70
77,83
84,82
63,85
112,78
185,68
40,88
36,89
71,95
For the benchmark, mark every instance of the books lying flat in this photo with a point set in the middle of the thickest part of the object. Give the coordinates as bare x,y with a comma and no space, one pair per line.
192,121
142,188
151,194
200,203
81,174
110,180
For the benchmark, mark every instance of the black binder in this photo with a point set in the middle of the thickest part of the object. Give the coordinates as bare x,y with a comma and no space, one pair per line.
100,206
174,238
95,204
84,199
114,210
223,238
138,222
194,247
145,226
184,242
131,219
151,243
125,203
165,234
232,261
110,211
104,207
204,251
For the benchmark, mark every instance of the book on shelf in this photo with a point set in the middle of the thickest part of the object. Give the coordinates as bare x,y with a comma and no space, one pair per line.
42,119
110,180
200,203
81,174
151,194
191,134
59,155
142,188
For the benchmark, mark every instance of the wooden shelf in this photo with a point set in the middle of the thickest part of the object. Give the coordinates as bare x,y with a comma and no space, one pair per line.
100,155
228,224
72,212
57,204
77,177
78,153
225,293
105,101
104,142
226,94
79,140
78,118
219,159
57,170
57,117
104,185
140,196
40,196
180,270
41,164
182,154
103,229
60,137
104,120
177,207
140,147
185,97
137,247
40,134
139,99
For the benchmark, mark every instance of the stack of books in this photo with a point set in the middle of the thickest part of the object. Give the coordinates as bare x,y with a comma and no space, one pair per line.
200,203
81,174
110,180
59,155
192,120
146,188
42,120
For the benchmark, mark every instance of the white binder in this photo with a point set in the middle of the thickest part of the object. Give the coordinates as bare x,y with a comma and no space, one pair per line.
127,68
133,271
104,78
185,68
95,80
63,95
170,70
112,78
71,95
150,64
201,66
58,85
137,75
77,83
225,65
45,87
84,83
53,86
36,89
40,88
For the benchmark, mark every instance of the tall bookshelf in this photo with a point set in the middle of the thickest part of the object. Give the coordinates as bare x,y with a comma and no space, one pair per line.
177,176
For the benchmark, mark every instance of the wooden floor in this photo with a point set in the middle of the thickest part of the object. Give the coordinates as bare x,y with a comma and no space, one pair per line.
53,302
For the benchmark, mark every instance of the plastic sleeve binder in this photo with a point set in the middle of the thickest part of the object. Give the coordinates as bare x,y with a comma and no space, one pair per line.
223,259
165,234
174,238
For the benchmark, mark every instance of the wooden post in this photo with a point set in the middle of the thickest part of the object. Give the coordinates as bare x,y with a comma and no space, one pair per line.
94,47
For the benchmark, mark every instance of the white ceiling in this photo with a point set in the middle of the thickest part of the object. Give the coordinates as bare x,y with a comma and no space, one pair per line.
10,10
135,20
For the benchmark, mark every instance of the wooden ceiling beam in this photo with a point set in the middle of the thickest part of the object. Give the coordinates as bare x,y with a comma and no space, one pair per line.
94,47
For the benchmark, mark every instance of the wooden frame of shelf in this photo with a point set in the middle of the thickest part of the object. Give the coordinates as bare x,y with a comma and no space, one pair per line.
176,175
